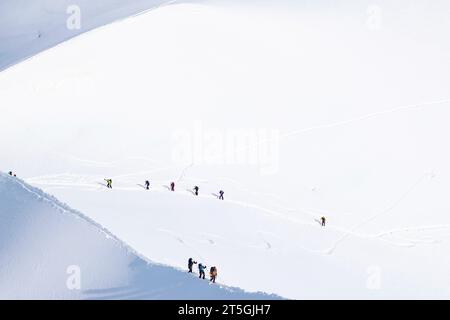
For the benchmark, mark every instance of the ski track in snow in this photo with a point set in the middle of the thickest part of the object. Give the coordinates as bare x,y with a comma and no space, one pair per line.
385,211
209,237
368,116
346,232
180,239
61,207
105,165
52,181
238,185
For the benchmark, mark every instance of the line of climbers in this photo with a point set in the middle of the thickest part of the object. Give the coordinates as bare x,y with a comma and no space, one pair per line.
201,270
195,191
172,188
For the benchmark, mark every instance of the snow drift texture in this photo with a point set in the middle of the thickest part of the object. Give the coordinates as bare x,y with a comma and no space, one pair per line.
43,242
28,27
358,94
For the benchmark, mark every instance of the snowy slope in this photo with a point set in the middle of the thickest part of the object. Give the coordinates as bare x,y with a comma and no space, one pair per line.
360,120
264,248
29,27
44,244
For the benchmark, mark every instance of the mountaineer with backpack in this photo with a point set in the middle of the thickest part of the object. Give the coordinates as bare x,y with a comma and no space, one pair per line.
108,183
172,186
191,263
213,274
221,195
147,184
196,190
201,270
323,221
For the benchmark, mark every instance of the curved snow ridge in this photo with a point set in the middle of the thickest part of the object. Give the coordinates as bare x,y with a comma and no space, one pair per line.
64,208
49,250
46,24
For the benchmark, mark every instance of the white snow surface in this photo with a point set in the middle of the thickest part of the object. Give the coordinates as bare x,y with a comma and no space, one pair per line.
28,27
47,249
361,115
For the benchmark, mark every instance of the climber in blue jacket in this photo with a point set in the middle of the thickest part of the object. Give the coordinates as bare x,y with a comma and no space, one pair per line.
201,270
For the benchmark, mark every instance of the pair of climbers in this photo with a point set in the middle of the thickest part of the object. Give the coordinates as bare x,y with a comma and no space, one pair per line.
196,190
212,273
108,183
221,193
12,174
201,270
220,196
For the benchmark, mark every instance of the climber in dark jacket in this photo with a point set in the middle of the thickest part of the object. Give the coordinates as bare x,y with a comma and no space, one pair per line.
191,263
